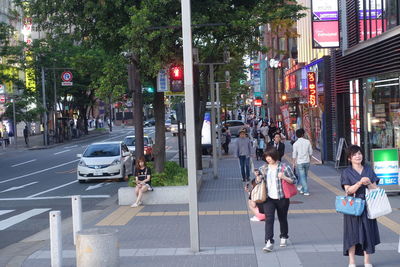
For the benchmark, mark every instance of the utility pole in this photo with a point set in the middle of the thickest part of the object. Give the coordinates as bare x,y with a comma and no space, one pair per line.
213,137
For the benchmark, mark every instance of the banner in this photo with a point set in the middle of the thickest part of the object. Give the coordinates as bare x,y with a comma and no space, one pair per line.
286,117
325,23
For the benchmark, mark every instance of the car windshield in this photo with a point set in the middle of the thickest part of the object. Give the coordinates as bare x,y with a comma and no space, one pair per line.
130,141
168,122
102,150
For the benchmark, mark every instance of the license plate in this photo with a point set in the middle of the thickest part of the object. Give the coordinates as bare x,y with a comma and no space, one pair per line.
98,172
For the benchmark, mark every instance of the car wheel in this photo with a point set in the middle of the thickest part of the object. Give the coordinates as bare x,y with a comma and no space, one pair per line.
123,175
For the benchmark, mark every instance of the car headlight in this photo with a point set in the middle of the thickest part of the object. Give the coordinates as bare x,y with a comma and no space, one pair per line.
116,162
82,163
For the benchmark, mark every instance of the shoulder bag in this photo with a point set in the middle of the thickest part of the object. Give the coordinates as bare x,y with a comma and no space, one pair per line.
349,205
289,190
377,203
259,192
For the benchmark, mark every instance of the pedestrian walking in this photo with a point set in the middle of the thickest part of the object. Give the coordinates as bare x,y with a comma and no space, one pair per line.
360,234
225,139
274,173
278,145
272,129
26,135
302,152
264,131
6,139
243,152
260,145
143,180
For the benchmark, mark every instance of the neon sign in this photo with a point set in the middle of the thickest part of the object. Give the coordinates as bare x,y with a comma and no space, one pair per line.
312,89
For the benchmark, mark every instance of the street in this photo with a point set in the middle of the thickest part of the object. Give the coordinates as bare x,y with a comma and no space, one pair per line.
34,182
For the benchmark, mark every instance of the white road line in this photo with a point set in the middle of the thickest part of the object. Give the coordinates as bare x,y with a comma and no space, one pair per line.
70,146
52,189
62,151
15,165
18,187
317,159
5,211
36,172
4,224
52,197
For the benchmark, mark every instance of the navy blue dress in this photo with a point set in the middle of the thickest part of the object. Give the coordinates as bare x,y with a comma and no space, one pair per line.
359,230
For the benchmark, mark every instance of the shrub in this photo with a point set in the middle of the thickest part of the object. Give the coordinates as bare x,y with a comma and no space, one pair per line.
172,175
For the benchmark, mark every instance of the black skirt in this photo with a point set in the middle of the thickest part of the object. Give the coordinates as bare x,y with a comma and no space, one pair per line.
361,232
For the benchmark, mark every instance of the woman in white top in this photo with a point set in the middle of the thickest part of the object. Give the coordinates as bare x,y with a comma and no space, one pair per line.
275,172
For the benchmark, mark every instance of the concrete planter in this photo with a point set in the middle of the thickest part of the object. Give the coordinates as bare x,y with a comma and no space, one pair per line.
160,195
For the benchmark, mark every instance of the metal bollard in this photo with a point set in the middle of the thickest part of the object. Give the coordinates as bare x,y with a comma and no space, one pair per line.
97,247
76,215
55,238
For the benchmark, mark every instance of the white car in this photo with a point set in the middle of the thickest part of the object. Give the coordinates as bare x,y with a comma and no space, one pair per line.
106,160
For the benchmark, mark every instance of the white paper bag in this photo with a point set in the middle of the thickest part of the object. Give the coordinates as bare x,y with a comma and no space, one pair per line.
377,203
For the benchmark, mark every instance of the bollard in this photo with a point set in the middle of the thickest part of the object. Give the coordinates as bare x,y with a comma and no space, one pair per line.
55,238
97,247
76,215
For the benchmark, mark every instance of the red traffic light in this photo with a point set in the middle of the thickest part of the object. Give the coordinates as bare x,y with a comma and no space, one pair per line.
176,73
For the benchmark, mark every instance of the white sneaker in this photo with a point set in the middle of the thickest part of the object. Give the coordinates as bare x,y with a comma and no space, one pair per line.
134,205
268,247
254,219
306,194
283,242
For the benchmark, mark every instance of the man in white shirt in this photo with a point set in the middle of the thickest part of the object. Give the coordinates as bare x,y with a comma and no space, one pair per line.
302,152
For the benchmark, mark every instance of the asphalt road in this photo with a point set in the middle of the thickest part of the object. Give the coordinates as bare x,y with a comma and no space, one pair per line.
34,182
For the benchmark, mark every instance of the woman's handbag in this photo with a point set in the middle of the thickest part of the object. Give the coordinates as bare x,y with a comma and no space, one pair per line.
289,190
259,192
377,203
349,205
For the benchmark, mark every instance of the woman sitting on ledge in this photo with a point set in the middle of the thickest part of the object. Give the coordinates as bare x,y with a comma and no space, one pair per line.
143,180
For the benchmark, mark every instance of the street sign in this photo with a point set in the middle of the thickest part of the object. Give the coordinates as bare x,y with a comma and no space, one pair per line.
2,88
66,78
162,81
2,99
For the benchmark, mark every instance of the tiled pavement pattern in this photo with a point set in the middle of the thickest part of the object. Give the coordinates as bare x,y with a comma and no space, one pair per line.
229,238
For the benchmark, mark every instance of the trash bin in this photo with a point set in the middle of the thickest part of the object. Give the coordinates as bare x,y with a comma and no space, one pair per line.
97,247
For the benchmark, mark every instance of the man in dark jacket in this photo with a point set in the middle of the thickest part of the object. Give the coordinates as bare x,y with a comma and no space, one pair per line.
278,145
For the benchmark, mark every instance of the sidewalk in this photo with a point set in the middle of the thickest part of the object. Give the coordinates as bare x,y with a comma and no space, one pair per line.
158,235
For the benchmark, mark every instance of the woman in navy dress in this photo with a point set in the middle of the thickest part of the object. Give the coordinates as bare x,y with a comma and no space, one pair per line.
360,235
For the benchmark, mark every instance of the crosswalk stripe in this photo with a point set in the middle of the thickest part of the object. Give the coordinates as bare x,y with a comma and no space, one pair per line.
5,211
4,224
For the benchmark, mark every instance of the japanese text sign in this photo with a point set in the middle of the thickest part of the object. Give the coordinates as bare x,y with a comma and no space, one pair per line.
312,89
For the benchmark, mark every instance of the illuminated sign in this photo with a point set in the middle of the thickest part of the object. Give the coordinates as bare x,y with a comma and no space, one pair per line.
325,23
258,102
312,89
355,112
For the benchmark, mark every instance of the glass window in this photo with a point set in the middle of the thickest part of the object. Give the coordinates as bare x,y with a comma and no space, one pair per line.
392,13
102,150
383,112
371,18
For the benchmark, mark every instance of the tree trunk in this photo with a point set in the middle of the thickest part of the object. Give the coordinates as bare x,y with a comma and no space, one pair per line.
198,116
159,145
136,87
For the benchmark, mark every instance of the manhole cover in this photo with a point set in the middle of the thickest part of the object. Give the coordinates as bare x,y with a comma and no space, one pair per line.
295,202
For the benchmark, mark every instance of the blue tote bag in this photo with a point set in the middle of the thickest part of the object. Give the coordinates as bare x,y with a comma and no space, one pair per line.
350,205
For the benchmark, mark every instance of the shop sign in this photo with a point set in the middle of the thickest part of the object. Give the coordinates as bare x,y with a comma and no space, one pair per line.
325,23
286,116
312,89
258,102
386,165
355,112
290,82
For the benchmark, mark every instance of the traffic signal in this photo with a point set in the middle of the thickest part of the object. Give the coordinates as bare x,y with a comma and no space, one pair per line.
176,78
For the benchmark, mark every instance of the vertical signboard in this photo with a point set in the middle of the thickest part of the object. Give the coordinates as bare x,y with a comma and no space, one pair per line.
286,117
325,23
312,89
162,81
386,165
355,112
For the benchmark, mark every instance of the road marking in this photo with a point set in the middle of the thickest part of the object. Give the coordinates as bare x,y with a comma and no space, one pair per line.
53,197
317,159
15,165
389,223
62,151
18,187
70,146
52,189
4,224
5,211
96,186
36,172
